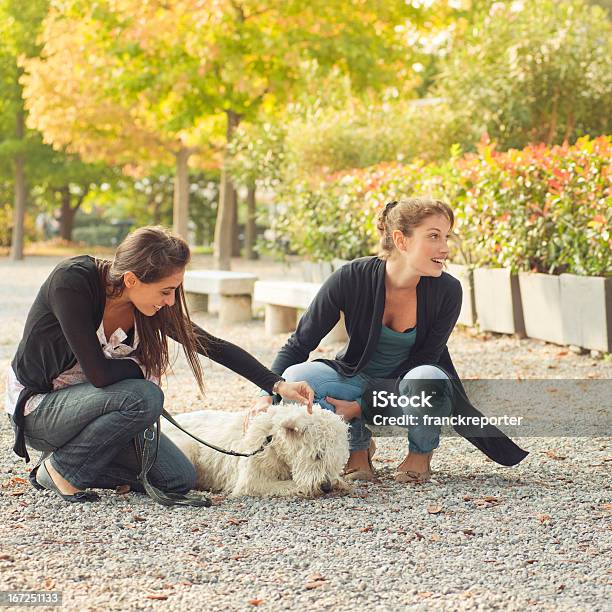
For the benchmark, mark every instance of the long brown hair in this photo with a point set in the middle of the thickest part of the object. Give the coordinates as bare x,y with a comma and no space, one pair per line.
405,215
153,253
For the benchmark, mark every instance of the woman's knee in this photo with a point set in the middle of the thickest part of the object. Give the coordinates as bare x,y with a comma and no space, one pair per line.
145,396
426,372
310,371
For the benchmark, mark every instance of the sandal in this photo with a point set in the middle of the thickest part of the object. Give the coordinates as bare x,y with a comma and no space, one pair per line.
366,475
43,478
410,476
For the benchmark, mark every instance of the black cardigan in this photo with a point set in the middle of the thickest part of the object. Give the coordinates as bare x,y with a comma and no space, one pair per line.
358,290
61,329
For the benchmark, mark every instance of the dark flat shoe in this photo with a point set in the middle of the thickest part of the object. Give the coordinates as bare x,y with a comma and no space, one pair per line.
43,478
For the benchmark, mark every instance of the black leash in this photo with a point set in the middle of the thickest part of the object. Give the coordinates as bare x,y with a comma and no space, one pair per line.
170,418
176,499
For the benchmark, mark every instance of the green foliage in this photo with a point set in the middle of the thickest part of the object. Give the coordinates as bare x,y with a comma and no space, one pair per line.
257,154
532,71
148,200
546,209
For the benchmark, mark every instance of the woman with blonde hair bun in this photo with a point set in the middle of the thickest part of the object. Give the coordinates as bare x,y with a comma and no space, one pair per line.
400,308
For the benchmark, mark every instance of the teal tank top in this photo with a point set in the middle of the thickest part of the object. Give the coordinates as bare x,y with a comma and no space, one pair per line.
393,348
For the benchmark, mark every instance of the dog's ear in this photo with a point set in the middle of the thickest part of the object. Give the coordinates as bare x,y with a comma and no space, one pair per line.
291,427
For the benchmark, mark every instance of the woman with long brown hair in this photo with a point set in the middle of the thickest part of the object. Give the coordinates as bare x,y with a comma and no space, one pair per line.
84,383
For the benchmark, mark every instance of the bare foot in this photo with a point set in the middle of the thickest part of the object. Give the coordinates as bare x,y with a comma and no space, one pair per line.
60,482
415,462
358,460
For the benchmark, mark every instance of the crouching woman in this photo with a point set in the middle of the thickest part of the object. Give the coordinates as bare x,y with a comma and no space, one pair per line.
83,386
399,308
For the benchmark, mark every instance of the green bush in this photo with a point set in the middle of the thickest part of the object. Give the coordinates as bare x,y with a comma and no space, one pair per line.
98,235
532,71
546,209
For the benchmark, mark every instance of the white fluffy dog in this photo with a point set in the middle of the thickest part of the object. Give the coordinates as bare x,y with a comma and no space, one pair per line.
305,456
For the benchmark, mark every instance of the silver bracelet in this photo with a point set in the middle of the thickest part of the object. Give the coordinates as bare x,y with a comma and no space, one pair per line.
276,385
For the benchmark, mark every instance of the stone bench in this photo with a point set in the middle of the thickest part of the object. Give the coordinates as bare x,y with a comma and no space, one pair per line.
235,291
283,299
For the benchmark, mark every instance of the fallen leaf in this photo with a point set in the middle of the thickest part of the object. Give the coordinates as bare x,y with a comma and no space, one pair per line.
316,576
366,529
256,602
6,558
236,521
159,596
468,532
425,594
314,585
553,455
434,509
544,517
562,353
140,519
531,561
122,489
490,498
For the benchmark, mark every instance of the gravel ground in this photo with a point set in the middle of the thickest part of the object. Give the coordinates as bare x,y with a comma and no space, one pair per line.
478,537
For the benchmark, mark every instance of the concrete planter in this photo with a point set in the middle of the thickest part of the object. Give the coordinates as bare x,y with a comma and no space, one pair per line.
586,310
498,301
338,263
465,275
541,300
316,271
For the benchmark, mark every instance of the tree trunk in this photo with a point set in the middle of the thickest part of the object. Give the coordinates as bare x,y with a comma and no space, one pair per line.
181,193
224,226
236,230
20,194
67,214
250,232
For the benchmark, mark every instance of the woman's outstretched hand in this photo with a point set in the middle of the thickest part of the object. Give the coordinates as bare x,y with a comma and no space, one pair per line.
295,392
299,392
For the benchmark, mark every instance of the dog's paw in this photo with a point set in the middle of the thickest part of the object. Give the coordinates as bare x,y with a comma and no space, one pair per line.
342,485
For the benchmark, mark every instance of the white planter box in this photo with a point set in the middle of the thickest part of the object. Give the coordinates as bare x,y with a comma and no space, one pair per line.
498,301
586,308
316,271
465,275
541,299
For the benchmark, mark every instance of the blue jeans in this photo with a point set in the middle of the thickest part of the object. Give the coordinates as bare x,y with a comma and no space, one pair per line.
91,433
325,381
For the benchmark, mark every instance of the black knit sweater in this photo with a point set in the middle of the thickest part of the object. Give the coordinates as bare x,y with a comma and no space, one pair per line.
358,290
61,329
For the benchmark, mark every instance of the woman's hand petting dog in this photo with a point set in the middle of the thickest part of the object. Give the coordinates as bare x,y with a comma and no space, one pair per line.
348,410
299,392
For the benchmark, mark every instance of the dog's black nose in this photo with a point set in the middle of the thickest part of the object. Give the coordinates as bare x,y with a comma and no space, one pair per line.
326,487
